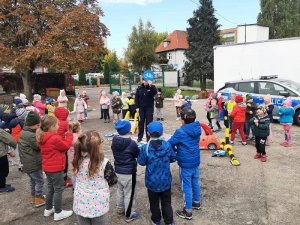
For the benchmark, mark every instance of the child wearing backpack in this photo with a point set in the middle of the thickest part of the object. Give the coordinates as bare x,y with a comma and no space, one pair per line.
125,152
94,175
157,156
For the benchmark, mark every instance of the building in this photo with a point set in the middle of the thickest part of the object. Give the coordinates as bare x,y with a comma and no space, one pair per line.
173,47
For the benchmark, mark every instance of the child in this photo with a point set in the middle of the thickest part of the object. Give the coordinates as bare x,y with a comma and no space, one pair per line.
125,102
269,108
214,114
157,156
53,148
286,114
31,158
85,98
74,128
79,107
260,124
131,103
250,113
94,175
105,103
37,103
178,103
61,113
238,115
229,105
62,99
116,105
5,139
159,105
101,110
186,141
50,103
207,106
125,152
187,103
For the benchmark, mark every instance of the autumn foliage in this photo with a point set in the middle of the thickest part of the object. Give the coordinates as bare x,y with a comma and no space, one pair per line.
63,35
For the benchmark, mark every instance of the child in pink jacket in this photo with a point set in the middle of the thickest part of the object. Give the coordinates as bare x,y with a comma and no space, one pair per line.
37,103
105,104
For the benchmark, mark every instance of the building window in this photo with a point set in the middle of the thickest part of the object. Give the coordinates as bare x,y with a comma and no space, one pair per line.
169,56
166,43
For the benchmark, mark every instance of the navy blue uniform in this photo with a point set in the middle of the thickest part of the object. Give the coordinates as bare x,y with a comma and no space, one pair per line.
144,101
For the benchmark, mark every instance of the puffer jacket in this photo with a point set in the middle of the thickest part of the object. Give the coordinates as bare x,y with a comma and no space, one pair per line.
6,117
157,157
186,141
61,113
286,115
53,148
30,154
125,152
16,126
6,139
263,128
239,113
40,106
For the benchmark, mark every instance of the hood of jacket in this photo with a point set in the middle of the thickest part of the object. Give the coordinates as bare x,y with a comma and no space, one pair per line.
61,113
192,129
160,147
120,143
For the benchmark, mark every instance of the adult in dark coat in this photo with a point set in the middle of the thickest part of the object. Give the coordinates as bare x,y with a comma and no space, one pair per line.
144,102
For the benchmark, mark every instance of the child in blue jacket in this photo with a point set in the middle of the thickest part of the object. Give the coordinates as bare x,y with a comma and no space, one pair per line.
286,114
186,141
157,156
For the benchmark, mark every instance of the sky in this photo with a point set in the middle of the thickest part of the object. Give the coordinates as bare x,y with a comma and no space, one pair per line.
168,15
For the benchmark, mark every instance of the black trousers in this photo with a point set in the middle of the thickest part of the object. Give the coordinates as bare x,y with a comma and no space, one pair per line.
166,206
4,170
260,144
208,117
124,111
66,167
106,114
145,115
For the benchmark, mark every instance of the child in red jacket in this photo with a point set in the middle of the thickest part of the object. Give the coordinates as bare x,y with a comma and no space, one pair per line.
53,150
239,117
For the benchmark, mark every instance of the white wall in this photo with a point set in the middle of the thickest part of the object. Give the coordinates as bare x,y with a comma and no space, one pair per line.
253,33
171,79
246,61
177,58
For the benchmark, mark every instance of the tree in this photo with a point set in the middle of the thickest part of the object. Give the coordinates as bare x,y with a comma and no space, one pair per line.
82,78
203,34
63,35
282,17
111,65
141,47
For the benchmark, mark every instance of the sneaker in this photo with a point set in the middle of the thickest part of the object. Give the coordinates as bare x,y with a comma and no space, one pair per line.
177,118
287,145
283,143
48,212
7,189
162,119
196,205
157,223
32,199
62,215
263,158
158,119
244,143
231,142
184,214
39,201
257,156
134,216
170,223
139,139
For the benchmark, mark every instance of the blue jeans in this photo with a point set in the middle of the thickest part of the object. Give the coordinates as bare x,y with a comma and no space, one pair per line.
247,128
36,183
190,186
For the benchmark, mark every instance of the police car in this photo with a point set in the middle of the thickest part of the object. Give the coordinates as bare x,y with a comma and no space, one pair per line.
279,89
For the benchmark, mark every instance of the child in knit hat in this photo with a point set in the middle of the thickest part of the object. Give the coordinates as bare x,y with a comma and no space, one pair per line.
250,113
157,156
31,158
125,152
286,119
37,103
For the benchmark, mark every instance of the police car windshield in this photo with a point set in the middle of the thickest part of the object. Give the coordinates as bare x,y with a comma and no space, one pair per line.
291,84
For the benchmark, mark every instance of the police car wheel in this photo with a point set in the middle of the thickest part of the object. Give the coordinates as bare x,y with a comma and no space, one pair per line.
297,117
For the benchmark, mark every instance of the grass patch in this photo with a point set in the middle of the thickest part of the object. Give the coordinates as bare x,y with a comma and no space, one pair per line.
170,92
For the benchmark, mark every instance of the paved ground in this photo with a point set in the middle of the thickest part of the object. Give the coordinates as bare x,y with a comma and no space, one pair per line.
253,193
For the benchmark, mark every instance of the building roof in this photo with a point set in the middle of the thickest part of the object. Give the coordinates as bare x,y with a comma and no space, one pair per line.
176,40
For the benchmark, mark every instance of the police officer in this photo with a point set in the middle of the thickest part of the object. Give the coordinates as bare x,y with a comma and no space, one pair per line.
144,101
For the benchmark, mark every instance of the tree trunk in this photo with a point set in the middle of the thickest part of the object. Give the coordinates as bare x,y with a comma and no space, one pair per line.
203,82
27,84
